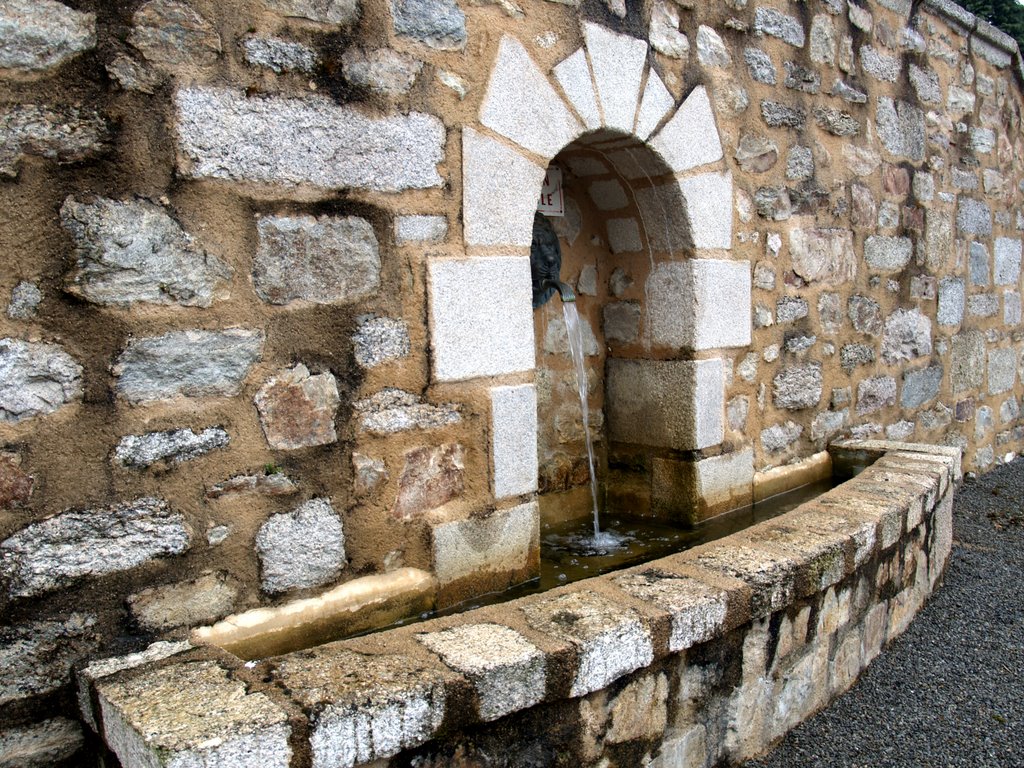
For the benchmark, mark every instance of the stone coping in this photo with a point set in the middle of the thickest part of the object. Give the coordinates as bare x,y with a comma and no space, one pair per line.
974,26
368,698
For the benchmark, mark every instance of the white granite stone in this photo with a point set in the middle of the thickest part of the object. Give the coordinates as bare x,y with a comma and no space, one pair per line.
420,229
514,439
508,672
722,298
303,142
573,74
499,192
522,105
503,541
618,62
699,304
665,403
1007,259
690,139
481,320
1002,370
709,205
654,105
611,640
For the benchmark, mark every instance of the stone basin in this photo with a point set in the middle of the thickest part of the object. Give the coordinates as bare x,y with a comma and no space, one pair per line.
702,657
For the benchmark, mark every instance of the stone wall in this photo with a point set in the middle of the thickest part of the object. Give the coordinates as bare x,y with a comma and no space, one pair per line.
268,327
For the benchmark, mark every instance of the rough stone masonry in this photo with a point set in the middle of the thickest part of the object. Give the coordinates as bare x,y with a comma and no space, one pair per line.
267,295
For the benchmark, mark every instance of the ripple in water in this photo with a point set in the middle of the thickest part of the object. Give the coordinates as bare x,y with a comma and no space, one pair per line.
590,544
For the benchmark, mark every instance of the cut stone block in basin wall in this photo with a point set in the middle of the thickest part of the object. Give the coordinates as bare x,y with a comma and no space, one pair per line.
487,553
693,491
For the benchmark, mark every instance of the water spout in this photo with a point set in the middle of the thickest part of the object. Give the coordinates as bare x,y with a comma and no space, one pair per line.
565,291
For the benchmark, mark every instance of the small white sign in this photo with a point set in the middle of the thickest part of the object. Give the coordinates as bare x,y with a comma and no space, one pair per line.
552,202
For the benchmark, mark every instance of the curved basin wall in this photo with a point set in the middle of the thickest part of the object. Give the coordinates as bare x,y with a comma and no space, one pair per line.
704,656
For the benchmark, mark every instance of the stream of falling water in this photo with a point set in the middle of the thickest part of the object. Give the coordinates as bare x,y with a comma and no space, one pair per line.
575,333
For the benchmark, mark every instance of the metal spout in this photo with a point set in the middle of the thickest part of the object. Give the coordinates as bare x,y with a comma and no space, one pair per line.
565,292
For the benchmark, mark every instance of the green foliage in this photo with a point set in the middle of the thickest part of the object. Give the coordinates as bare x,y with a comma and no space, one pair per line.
1008,15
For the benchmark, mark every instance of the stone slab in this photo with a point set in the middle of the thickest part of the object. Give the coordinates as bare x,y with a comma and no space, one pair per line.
521,104
481,321
508,672
303,142
514,439
618,64
573,74
497,214
191,714
611,641
690,138
665,404
698,610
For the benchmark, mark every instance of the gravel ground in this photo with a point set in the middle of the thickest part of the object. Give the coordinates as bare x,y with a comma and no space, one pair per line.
949,691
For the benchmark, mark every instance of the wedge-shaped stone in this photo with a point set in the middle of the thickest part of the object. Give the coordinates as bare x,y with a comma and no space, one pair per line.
771,576
618,63
573,74
709,205
304,142
364,707
654,105
497,212
698,610
522,105
611,641
514,439
480,318
508,672
665,404
690,138
191,714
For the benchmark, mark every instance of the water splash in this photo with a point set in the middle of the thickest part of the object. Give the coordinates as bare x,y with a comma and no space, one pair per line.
575,333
